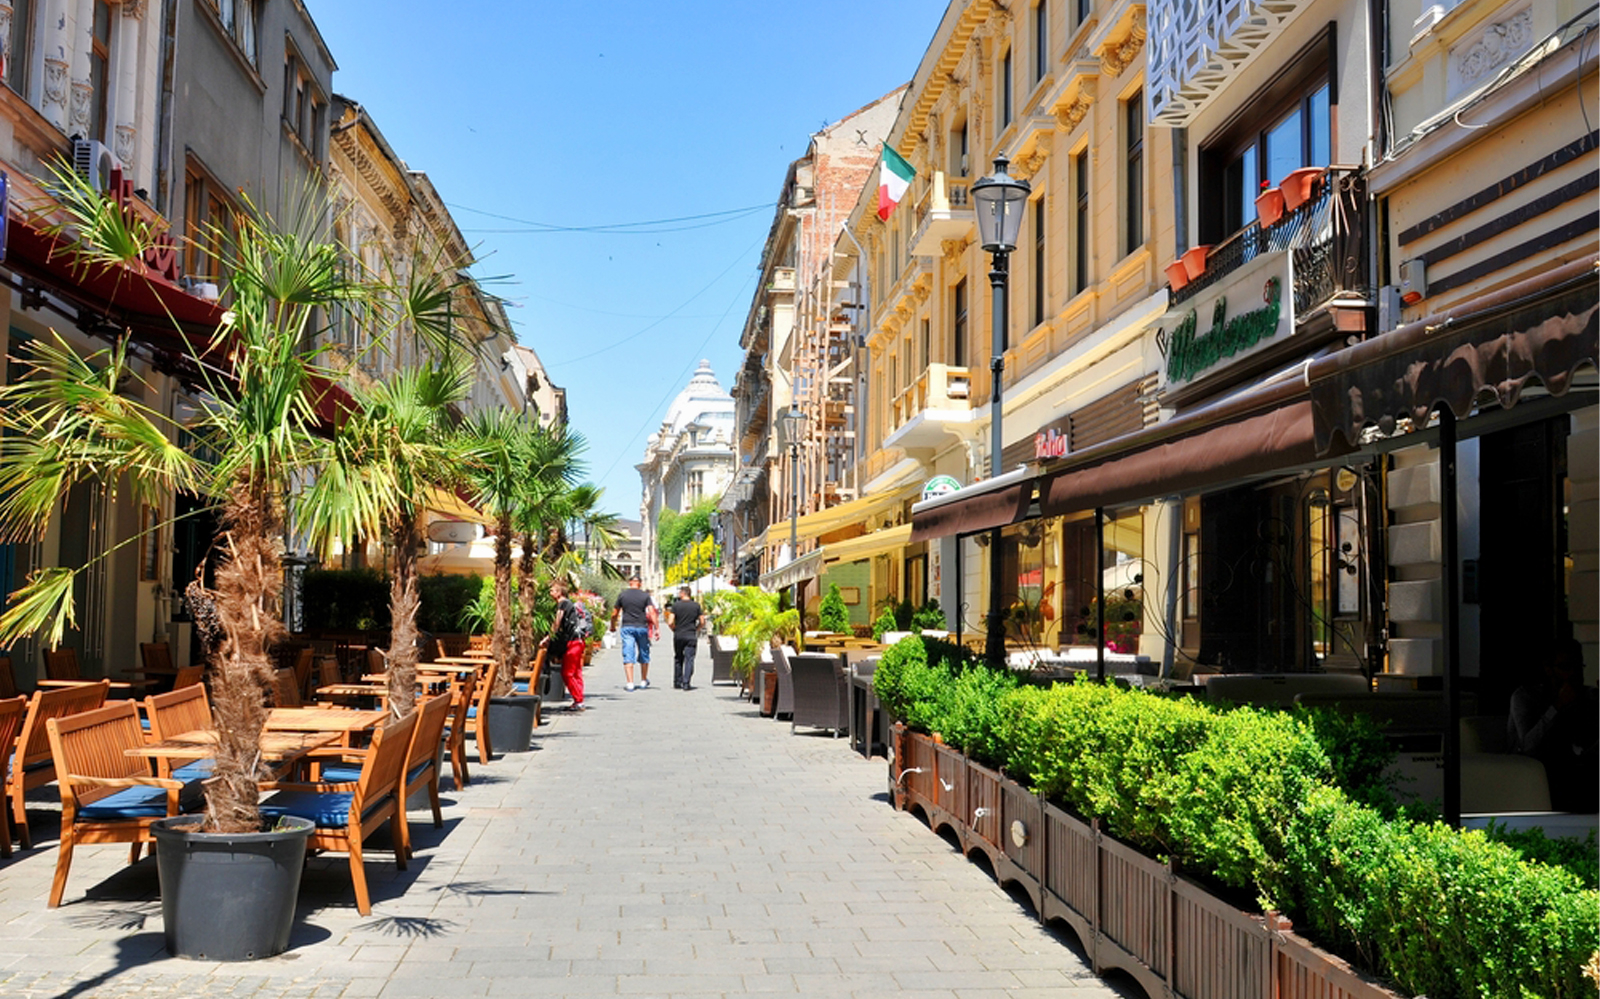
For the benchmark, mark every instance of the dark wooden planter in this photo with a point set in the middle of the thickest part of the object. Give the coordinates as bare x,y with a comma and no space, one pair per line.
1131,913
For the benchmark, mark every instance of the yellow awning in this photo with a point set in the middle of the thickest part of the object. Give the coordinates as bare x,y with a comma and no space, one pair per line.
887,540
840,515
448,504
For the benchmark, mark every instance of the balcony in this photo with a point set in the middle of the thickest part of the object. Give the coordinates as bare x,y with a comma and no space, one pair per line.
931,408
942,213
1325,235
782,282
1197,47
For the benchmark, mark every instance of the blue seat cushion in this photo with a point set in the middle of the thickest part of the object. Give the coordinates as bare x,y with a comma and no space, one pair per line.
30,768
520,687
339,773
195,770
128,803
328,809
472,711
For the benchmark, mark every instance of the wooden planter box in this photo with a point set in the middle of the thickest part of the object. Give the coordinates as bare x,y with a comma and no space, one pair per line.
1131,913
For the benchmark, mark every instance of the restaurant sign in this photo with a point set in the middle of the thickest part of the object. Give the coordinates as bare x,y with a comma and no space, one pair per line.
1232,332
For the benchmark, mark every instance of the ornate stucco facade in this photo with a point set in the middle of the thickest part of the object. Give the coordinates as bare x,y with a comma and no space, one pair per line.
688,460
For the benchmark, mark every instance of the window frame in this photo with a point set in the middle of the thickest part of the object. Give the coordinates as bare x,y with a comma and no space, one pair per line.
1040,231
1008,97
1133,141
960,304
1081,221
1041,39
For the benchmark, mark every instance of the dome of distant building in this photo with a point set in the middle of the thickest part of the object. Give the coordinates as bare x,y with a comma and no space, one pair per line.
702,401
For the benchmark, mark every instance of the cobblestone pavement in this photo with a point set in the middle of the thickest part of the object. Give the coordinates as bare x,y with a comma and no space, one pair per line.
664,843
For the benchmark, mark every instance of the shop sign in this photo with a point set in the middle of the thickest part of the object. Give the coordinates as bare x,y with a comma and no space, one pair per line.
1231,333
939,485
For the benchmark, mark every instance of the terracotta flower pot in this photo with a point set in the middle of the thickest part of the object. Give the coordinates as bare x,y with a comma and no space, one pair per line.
1194,260
1297,187
1269,206
1177,274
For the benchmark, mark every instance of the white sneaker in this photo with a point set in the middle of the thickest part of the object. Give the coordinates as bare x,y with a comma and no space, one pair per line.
627,686
643,684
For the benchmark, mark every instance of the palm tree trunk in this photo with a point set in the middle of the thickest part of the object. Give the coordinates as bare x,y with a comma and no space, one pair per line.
501,643
529,589
249,595
404,598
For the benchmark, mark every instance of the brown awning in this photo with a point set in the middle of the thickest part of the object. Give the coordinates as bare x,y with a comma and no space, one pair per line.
1261,433
1543,328
984,509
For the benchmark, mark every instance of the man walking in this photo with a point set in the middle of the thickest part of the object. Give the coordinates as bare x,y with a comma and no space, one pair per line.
637,614
566,644
684,618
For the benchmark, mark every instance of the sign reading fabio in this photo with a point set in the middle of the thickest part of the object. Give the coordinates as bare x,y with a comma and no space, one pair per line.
1192,353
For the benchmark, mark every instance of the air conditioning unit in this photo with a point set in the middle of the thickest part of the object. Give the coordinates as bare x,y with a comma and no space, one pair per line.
95,160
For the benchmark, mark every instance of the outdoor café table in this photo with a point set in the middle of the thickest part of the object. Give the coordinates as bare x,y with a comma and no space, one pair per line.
342,722
450,667
482,660
142,686
284,749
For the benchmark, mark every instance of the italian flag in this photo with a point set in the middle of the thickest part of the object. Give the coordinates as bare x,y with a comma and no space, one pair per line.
894,176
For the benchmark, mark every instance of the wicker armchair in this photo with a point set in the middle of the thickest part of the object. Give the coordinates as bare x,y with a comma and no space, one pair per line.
722,649
784,706
821,692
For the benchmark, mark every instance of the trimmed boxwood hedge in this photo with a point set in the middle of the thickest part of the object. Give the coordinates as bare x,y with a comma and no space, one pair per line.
1252,799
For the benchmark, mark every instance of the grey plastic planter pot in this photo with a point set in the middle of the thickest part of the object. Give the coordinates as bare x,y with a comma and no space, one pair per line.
228,897
511,722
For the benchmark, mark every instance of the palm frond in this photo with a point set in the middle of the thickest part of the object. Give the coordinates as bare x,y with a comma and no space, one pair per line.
41,607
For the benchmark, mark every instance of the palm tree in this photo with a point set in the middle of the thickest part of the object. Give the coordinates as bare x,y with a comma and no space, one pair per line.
260,422
394,447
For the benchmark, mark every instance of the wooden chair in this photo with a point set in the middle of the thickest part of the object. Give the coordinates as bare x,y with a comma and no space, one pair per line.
107,796
422,761
185,709
347,814
463,689
13,710
303,661
188,676
8,679
32,764
377,662
285,689
61,667
479,642
157,658
478,713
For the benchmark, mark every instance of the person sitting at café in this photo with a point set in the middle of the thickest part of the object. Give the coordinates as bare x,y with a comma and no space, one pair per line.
1557,721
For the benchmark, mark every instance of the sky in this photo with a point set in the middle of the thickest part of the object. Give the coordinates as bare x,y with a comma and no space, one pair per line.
553,130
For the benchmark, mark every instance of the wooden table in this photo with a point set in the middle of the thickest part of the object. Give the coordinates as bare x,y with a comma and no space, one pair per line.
452,668
202,742
323,720
479,660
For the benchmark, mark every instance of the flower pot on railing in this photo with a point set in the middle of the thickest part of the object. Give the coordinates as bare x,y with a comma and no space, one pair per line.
1298,186
1177,274
1194,260
1269,206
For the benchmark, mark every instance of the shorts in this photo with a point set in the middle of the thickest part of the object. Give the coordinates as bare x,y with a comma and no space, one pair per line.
635,645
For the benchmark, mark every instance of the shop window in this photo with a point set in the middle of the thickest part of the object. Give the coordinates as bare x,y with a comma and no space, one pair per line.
1284,126
1117,563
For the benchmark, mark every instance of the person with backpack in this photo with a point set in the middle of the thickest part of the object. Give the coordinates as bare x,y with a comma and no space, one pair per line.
566,641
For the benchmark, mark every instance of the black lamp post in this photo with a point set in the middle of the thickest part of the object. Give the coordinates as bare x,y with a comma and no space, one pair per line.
792,427
1001,200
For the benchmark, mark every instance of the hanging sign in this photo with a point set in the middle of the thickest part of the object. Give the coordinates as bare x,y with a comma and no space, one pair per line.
939,485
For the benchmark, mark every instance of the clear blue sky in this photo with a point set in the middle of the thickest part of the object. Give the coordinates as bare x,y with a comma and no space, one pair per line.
584,115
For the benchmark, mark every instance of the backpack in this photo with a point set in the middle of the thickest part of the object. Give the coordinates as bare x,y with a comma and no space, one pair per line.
582,623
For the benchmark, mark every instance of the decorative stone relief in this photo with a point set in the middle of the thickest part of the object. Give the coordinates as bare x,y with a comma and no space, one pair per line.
5,31
125,137
1117,55
953,249
133,9
1475,60
1069,116
55,86
1029,163
82,99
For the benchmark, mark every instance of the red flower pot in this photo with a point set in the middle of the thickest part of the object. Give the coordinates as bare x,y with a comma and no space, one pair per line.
1177,274
1269,207
1194,260
1298,186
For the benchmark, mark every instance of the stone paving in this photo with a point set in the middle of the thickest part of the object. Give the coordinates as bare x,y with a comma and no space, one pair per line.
664,843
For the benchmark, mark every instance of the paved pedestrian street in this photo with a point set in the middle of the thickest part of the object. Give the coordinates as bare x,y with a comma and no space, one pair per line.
664,843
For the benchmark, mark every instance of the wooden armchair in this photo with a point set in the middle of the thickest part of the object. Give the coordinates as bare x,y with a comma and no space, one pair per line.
463,693
422,760
478,712
13,710
188,676
107,796
186,709
62,669
156,658
8,679
347,814
32,764
285,689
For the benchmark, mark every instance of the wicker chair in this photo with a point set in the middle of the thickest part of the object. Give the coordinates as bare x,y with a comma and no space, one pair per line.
722,649
784,707
821,692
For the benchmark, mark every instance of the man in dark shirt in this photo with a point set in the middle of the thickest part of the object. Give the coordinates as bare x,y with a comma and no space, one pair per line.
683,617
637,614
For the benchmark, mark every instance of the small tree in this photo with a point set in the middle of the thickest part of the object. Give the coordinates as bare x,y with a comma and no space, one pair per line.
885,622
832,614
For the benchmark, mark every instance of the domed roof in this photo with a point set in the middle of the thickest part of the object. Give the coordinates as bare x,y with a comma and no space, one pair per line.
703,400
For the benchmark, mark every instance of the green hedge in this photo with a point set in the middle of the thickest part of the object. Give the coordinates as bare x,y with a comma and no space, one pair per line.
1254,800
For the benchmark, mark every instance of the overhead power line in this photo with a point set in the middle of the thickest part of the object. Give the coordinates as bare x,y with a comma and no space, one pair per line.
530,226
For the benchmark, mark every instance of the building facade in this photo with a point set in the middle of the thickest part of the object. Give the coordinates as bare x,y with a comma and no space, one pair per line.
688,461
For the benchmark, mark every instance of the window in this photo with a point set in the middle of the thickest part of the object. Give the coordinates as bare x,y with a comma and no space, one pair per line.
302,105
958,354
1041,40
238,19
207,218
958,149
927,334
99,61
1288,126
1006,108
1080,222
1084,9
1038,260
694,486
1133,118
16,68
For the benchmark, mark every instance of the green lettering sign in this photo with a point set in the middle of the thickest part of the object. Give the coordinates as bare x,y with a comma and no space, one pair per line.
1190,353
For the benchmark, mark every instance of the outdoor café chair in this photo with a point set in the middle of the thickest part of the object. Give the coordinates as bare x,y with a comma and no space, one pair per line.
285,689
422,762
12,711
31,762
478,713
108,795
61,667
185,709
8,679
784,706
821,692
346,814
463,690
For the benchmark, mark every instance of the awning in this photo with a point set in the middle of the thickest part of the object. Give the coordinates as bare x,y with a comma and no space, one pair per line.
784,576
991,503
452,505
840,515
868,545
1544,328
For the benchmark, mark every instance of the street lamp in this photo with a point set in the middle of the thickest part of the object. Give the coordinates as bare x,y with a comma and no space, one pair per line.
1001,200
791,428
